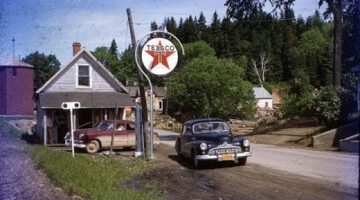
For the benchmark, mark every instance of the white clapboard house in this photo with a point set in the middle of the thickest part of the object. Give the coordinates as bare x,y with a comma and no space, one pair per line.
83,80
263,98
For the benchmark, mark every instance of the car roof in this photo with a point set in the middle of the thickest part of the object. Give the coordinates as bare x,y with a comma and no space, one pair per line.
195,121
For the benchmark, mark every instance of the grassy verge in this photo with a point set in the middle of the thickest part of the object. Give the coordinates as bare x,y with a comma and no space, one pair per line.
92,177
9,129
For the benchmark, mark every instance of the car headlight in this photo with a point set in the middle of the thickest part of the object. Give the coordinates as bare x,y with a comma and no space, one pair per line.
67,136
81,135
246,143
203,146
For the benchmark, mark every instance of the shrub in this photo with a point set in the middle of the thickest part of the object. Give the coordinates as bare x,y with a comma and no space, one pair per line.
327,104
295,105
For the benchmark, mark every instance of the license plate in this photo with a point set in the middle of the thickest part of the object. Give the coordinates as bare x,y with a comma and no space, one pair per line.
227,156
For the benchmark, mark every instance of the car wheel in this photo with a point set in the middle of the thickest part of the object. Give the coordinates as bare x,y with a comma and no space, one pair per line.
197,163
93,146
242,161
178,147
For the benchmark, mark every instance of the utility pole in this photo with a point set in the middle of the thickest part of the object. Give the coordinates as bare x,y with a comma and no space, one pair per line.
147,142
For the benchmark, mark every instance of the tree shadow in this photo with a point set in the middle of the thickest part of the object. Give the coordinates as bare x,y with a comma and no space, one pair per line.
168,137
30,139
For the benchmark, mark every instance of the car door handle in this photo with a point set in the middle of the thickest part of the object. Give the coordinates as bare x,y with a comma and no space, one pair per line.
193,138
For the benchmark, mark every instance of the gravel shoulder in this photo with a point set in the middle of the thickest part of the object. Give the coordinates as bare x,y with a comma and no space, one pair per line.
19,177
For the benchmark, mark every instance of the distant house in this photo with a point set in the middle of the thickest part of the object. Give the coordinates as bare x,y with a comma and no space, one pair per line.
277,96
83,80
159,97
263,98
16,88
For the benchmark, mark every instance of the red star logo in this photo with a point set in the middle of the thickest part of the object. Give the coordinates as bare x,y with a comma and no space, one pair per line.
160,56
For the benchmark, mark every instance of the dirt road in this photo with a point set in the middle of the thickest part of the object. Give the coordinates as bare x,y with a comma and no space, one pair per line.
271,173
19,179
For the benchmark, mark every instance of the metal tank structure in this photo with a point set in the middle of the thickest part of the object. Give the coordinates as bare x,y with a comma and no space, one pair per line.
16,88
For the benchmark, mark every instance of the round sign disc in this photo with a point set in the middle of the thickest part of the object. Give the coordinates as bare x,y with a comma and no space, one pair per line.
159,56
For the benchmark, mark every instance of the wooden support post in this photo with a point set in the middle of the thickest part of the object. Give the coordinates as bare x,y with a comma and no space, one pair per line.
142,93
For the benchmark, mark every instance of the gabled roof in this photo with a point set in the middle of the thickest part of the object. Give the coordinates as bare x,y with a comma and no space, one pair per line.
17,63
133,91
110,77
158,91
261,93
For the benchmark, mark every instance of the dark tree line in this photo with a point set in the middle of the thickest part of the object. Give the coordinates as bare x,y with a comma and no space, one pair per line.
284,39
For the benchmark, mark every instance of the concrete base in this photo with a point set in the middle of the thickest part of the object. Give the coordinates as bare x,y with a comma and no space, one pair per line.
331,138
138,154
350,144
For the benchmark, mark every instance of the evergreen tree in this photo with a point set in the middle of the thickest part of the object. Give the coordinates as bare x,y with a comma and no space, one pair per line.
225,50
153,26
215,34
189,30
201,27
171,25
113,48
180,30
300,26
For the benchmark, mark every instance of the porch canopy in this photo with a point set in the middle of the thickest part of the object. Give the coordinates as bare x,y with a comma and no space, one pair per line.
52,100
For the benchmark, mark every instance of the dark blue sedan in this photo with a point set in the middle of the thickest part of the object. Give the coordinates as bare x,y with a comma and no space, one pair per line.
210,139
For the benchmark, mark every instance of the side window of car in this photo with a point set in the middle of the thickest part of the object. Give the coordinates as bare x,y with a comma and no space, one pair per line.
183,130
120,127
188,130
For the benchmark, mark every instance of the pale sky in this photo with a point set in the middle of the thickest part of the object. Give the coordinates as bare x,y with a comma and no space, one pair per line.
51,26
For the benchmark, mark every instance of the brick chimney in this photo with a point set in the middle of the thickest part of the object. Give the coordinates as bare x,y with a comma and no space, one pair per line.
76,48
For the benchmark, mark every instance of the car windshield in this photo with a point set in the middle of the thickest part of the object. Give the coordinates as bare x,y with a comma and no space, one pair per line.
104,125
209,127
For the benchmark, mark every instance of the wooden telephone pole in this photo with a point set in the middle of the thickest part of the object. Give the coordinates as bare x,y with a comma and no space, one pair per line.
147,142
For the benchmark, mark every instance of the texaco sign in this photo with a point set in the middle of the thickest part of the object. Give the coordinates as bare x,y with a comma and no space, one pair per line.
159,56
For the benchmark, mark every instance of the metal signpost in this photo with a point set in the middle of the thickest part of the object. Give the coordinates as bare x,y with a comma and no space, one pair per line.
159,56
138,129
70,106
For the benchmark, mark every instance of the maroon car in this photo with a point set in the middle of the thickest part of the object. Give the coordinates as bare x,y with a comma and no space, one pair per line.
94,139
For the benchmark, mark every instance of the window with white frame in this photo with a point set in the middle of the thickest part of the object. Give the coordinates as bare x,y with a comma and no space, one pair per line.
160,105
84,76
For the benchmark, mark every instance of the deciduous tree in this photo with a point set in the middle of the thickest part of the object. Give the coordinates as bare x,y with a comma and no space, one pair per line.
45,67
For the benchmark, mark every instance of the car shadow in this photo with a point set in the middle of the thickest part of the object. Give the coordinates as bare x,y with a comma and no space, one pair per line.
168,137
187,163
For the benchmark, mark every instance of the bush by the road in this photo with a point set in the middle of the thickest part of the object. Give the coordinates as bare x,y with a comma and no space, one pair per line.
327,104
9,129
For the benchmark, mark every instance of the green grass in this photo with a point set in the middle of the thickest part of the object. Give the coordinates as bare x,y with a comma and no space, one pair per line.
92,176
9,129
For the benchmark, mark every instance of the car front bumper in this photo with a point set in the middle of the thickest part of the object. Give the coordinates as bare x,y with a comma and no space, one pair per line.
77,144
221,157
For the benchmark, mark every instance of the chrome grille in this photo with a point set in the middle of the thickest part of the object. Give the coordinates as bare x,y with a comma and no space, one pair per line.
220,151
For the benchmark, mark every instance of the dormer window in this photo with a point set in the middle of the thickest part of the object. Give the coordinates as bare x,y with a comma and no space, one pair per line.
83,76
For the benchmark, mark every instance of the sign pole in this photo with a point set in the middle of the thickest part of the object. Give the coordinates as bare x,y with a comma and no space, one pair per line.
70,106
72,132
162,51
